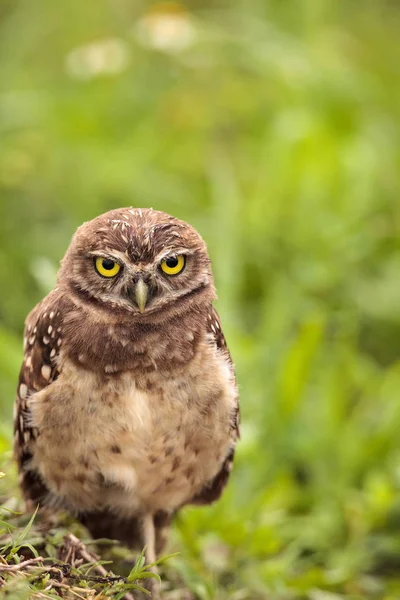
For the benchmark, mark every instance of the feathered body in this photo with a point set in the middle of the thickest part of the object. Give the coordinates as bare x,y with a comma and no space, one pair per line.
126,412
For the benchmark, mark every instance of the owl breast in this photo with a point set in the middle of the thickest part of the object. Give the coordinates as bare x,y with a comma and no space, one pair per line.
130,444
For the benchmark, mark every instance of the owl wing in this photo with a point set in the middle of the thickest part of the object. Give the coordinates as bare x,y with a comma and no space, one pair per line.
214,488
42,341
214,328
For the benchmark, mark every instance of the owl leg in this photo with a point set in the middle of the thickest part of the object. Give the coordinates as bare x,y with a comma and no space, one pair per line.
149,539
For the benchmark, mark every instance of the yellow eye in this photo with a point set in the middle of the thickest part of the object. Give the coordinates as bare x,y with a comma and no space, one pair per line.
173,265
107,267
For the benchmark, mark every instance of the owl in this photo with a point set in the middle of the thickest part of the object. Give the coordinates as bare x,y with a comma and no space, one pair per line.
127,404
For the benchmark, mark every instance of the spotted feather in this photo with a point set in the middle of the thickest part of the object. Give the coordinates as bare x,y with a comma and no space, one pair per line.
42,342
214,328
214,488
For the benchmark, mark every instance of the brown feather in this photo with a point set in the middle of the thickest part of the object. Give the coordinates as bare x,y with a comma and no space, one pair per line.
39,369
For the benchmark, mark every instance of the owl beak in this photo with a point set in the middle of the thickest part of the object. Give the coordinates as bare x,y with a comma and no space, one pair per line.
141,294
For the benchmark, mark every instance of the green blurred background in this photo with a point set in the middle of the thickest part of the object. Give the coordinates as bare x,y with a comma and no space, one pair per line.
273,127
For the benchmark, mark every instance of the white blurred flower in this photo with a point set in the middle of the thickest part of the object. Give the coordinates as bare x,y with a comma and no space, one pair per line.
105,57
167,27
44,272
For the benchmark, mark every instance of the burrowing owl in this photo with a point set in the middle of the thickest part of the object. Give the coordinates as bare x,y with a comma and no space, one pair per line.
127,404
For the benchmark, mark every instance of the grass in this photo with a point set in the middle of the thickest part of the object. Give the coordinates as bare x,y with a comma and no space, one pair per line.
43,558
274,130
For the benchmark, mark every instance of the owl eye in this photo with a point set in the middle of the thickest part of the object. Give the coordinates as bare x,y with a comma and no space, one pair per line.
107,267
173,264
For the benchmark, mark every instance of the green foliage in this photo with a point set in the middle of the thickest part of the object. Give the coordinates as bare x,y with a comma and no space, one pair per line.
273,128
11,549
24,573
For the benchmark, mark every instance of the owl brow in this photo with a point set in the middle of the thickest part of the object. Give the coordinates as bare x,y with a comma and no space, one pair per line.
115,255
174,252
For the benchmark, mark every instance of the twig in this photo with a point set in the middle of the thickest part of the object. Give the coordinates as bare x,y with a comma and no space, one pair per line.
74,551
71,590
22,565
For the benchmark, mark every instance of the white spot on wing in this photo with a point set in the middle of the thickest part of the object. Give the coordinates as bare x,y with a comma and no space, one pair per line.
46,372
23,391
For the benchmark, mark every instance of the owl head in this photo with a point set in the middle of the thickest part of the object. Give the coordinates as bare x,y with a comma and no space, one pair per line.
140,262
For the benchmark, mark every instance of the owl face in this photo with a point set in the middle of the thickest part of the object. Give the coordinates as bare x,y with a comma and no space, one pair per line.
138,260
